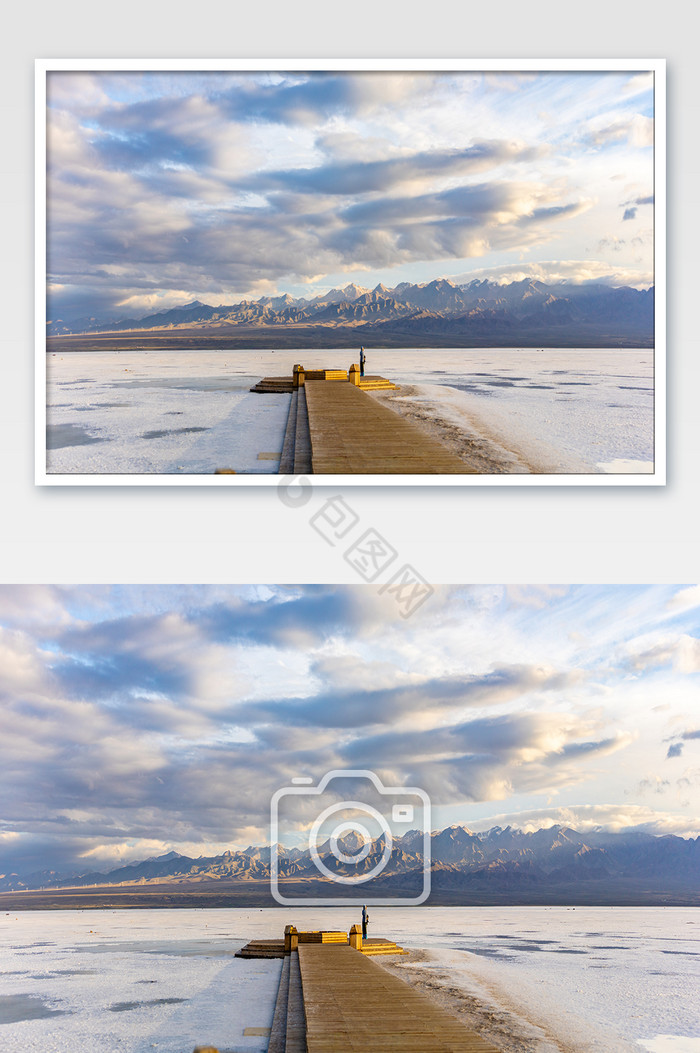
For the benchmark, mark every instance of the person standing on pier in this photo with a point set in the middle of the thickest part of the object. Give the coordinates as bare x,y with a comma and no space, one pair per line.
362,361
365,921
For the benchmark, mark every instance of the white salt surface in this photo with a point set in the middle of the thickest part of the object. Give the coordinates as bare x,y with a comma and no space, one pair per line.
106,972
551,411
170,412
556,411
560,980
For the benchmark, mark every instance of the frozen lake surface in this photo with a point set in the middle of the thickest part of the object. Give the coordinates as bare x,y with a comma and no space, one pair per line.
556,411
546,979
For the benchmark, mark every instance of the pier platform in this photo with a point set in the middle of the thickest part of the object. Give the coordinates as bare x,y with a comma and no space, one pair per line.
335,427
332,998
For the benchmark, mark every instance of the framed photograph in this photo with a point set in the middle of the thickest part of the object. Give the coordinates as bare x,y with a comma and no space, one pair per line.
388,272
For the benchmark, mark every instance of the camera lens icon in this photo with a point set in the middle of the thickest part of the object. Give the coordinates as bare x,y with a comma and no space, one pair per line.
355,825
348,826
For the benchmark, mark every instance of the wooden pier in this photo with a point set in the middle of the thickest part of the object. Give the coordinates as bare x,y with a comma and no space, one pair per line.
335,427
332,998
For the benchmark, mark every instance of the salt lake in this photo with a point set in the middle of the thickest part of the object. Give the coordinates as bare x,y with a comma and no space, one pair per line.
549,412
545,979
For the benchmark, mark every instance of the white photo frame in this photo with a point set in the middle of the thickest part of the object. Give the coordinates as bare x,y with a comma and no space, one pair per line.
656,66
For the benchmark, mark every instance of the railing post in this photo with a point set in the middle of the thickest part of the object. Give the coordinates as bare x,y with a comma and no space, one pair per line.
291,939
355,937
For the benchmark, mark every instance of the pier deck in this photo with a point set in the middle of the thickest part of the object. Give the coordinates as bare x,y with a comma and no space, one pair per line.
334,427
352,434
334,1000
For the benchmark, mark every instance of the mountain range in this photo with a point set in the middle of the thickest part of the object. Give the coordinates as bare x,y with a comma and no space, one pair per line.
480,312
553,865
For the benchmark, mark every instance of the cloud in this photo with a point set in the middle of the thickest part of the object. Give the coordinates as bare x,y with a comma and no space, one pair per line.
168,716
296,620
636,131
304,99
685,599
640,82
632,207
351,178
676,748
488,758
654,785
552,272
589,817
682,651
167,186
360,708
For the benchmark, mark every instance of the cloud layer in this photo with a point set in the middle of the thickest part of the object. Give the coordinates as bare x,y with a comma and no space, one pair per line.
137,719
225,185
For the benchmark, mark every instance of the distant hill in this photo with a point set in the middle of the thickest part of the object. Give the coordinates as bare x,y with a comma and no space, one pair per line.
554,865
527,312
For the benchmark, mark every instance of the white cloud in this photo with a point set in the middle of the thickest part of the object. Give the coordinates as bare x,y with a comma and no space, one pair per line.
686,599
682,652
585,817
214,186
551,272
152,717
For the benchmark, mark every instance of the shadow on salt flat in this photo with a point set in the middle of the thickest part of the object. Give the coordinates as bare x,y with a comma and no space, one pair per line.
125,1007
190,383
176,948
14,1008
64,972
101,405
61,435
489,952
160,433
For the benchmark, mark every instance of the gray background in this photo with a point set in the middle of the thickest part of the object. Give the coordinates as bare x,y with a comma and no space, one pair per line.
448,534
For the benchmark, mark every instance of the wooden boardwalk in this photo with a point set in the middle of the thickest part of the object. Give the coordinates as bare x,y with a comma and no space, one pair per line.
333,999
353,434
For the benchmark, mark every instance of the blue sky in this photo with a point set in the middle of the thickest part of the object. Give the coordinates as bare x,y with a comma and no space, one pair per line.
164,187
136,720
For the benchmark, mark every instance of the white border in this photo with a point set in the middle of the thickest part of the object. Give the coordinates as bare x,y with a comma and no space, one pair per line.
657,66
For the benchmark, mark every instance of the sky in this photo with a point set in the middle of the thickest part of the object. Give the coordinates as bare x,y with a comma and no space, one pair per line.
222,186
139,720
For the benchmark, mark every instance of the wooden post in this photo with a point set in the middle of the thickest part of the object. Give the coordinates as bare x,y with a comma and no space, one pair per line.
299,376
355,937
291,939
354,374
